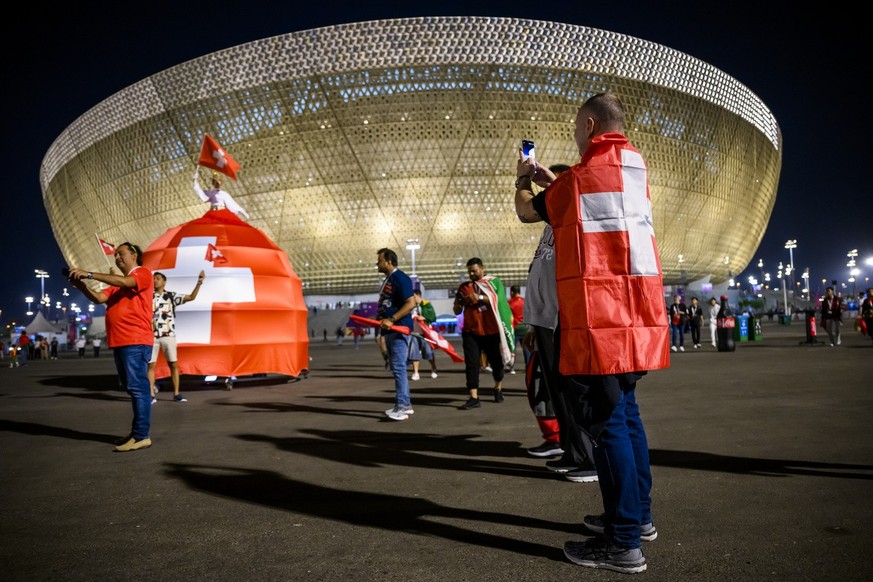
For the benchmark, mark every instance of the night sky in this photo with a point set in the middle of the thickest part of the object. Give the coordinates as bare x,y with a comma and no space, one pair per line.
809,67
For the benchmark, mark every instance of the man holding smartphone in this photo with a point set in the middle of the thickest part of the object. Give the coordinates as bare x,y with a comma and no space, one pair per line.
605,254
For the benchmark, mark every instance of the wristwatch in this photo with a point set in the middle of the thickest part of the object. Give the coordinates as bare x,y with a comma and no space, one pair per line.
89,276
392,320
519,179
481,298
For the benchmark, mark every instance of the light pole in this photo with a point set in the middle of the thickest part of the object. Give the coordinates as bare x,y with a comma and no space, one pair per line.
42,276
412,245
28,300
852,270
791,245
781,275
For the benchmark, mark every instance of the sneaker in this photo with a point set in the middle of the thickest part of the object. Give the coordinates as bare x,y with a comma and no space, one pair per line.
133,445
581,476
648,533
180,398
157,388
498,396
546,449
487,369
416,377
681,348
154,399
562,465
672,348
396,414
402,409
598,553
434,375
470,403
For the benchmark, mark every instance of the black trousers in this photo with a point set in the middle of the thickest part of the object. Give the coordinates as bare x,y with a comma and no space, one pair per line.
474,345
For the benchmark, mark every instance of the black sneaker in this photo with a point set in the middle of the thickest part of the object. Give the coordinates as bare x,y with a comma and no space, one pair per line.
581,476
546,449
648,533
470,403
598,553
498,396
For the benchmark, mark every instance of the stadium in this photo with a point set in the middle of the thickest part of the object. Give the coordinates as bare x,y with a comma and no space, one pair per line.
404,133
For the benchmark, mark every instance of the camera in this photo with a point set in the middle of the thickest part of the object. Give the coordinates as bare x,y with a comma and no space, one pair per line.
66,272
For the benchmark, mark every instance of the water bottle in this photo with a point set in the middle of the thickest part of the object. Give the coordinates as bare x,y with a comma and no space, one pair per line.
725,323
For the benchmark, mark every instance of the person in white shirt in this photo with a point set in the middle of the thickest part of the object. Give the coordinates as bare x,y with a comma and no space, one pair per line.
713,315
217,197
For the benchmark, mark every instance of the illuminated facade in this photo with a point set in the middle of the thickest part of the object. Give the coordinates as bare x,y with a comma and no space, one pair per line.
371,134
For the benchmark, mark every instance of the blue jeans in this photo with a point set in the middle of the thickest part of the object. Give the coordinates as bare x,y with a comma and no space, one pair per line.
621,455
132,364
678,334
398,349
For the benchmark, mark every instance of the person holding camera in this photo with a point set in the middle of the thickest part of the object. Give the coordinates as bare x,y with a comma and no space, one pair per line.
128,299
612,317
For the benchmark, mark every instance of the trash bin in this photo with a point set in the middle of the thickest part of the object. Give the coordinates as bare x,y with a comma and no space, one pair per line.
755,329
742,328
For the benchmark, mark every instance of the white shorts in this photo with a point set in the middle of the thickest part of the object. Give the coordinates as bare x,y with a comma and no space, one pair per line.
166,344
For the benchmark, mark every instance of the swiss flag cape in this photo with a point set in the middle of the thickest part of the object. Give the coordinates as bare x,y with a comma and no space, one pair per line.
249,316
214,157
611,304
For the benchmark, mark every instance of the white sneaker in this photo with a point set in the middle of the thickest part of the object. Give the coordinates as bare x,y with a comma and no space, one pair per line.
434,375
416,377
407,410
672,348
681,348
396,414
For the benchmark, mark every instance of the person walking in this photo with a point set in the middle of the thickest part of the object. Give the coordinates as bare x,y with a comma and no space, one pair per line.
605,252
832,316
420,348
678,320
80,346
128,300
487,329
24,345
519,327
395,304
866,312
713,320
695,320
164,304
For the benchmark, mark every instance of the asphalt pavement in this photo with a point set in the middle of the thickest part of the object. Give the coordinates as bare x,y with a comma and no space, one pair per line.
762,461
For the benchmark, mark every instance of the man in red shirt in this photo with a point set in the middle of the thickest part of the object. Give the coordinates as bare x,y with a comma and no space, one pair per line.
129,334
519,328
23,348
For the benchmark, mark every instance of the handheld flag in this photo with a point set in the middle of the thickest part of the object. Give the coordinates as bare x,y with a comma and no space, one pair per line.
214,256
108,249
433,336
213,156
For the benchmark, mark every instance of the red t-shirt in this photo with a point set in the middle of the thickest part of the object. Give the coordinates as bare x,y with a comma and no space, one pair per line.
516,304
129,311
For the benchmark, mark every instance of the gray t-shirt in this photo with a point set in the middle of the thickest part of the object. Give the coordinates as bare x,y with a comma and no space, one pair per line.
541,298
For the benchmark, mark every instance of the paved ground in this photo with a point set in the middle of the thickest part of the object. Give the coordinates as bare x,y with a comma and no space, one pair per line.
762,458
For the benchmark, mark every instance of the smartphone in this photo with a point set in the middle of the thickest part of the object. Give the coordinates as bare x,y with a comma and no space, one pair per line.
527,150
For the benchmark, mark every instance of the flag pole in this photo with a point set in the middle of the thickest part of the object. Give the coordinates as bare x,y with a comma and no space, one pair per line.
103,252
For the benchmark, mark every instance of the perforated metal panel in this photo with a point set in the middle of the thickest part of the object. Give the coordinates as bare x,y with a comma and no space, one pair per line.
364,135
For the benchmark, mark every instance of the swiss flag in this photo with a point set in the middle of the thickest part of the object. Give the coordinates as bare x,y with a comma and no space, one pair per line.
108,249
214,256
436,339
214,157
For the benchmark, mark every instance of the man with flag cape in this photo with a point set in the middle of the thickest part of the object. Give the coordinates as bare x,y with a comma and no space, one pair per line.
487,328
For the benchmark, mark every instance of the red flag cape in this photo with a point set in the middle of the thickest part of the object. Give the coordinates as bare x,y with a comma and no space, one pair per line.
376,323
439,341
213,156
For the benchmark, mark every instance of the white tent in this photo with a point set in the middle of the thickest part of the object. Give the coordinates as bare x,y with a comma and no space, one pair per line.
40,325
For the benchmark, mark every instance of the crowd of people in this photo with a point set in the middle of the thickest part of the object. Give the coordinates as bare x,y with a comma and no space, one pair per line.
592,325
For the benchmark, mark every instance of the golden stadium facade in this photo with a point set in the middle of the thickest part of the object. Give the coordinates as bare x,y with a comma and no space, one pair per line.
372,134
